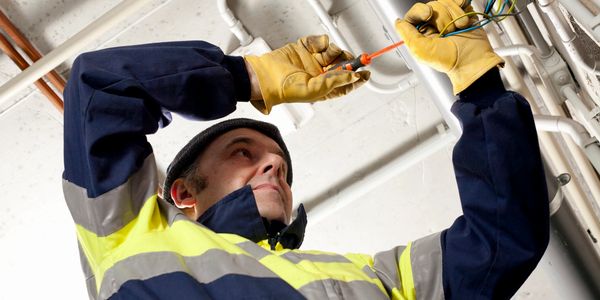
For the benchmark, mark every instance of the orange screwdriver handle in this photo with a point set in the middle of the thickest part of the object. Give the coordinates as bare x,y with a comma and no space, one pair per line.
352,65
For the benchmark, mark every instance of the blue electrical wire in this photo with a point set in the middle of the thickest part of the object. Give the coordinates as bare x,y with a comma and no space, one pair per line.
488,18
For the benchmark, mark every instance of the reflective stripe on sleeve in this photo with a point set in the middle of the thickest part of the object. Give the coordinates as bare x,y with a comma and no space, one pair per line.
414,271
90,280
111,211
426,261
408,284
387,267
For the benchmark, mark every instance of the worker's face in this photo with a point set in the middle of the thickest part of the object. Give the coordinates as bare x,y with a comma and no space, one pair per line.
246,157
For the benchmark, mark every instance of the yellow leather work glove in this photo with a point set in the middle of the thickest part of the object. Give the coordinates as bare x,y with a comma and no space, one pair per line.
464,57
294,73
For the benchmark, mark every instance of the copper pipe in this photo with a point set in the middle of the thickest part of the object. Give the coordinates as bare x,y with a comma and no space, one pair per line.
7,48
22,42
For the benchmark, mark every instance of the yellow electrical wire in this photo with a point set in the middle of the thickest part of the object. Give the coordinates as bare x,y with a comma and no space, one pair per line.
492,16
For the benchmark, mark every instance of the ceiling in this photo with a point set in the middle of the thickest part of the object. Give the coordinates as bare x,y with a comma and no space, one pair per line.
344,140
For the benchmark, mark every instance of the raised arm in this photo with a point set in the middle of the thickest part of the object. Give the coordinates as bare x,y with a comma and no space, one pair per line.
116,96
503,233
492,248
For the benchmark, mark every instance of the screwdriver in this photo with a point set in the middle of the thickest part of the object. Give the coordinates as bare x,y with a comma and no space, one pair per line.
362,60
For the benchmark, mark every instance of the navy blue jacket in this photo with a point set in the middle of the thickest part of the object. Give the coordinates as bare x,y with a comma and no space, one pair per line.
134,245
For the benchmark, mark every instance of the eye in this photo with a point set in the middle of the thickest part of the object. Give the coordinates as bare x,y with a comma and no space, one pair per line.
242,152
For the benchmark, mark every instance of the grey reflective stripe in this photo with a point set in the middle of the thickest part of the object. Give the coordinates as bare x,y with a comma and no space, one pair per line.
90,279
253,249
386,267
334,289
207,267
112,210
369,272
296,257
426,262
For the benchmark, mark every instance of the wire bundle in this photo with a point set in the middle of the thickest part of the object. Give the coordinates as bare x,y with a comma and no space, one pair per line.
489,14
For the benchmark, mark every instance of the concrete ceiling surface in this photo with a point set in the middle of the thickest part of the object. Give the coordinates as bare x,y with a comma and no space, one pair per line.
344,140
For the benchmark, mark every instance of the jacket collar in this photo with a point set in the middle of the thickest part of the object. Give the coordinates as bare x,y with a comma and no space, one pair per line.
237,213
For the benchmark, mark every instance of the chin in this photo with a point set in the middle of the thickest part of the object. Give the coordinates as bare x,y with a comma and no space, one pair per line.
272,210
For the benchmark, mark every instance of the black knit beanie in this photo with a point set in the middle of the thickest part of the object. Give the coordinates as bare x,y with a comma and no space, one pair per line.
190,152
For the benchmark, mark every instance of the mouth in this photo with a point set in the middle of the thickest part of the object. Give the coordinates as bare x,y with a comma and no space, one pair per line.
268,186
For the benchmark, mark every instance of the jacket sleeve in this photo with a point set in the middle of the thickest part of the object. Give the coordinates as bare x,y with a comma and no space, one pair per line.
489,251
114,98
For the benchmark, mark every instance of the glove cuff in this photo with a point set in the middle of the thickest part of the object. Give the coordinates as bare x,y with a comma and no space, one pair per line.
270,94
463,76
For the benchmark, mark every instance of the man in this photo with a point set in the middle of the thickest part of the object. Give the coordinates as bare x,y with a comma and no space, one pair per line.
224,228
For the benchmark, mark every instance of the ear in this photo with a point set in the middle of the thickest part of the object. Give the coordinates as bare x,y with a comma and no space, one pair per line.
182,196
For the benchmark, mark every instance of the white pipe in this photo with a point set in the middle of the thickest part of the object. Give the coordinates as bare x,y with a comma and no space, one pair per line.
555,203
582,109
406,82
567,36
586,154
338,38
514,32
552,99
70,47
380,176
565,125
555,154
236,27
534,56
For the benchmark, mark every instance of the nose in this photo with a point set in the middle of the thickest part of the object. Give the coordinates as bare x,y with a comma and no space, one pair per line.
273,164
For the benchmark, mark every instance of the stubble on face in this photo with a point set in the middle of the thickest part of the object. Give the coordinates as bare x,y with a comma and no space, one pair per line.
243,157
